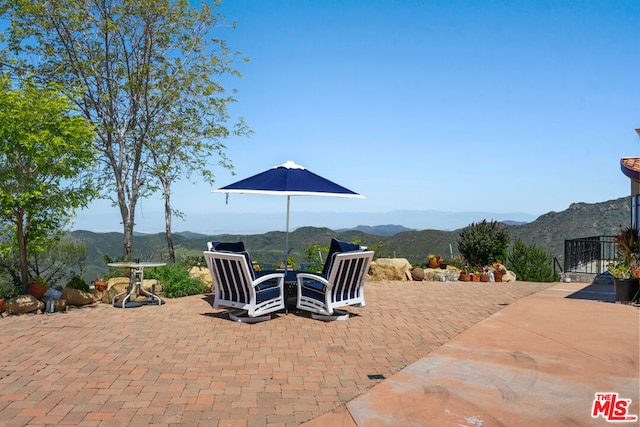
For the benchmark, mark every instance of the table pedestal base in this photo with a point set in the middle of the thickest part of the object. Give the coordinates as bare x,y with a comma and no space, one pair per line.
136,278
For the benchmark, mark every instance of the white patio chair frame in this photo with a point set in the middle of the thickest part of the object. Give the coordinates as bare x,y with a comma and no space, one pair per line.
235,287
343,286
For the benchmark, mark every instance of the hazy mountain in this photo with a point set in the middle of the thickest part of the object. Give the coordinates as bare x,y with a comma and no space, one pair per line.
548,232
379,230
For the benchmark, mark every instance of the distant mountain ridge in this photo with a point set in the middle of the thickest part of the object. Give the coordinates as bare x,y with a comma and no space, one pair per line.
548,232
378,230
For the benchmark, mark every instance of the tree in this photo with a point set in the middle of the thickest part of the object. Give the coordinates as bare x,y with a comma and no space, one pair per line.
45,152
144,72
530,263
484,242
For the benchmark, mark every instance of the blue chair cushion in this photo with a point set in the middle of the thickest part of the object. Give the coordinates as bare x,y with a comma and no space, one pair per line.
337,247
228,246
235,247
311,289
267,293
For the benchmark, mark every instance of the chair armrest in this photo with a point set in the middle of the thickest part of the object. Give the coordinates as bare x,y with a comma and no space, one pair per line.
310,276
267,277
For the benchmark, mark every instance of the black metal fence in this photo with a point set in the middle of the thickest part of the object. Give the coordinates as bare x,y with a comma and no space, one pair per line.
590,255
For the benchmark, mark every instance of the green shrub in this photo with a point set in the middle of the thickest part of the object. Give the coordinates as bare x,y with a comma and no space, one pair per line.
484,242
77,282
530,263
176,281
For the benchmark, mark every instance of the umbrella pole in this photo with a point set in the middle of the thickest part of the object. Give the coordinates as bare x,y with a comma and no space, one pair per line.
286,239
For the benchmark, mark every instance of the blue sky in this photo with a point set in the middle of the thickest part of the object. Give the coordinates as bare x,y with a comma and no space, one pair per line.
485,106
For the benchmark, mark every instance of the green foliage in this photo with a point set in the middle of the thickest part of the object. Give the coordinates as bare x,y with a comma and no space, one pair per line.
621,271
77,282
152,87
176,281
530,263
8,289
484,242
627,244
58,260
316,253
45,153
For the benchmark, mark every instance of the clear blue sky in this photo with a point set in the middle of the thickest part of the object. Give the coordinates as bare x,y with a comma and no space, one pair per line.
495,106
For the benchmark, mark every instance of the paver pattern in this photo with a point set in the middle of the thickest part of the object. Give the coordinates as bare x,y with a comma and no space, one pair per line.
185,363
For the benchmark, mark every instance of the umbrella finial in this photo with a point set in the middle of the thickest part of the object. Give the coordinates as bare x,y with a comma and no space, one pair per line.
290,164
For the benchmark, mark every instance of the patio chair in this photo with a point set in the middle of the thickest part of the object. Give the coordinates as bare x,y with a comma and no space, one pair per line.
341,285
236,287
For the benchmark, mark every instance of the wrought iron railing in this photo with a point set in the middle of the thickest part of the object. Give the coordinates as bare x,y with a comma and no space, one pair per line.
590,255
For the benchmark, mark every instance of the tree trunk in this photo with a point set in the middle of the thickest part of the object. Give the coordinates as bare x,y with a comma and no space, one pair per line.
22,249
127,225
167,221
128,240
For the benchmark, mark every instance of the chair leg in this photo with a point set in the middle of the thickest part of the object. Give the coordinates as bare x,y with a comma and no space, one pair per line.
241,316
337,315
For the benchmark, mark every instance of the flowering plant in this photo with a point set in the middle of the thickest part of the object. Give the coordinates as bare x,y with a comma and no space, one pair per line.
497,266
434,257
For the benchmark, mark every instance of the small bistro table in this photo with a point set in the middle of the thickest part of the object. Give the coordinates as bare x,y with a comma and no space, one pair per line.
136,276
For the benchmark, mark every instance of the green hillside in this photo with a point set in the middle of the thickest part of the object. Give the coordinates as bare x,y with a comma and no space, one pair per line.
548,232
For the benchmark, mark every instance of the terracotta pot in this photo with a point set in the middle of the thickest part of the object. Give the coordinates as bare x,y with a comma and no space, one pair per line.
1,304
464,277
433,263
497,276
100,286
475,277
36,290
484,277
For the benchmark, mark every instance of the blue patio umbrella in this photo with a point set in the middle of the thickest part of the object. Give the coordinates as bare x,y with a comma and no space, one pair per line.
288,180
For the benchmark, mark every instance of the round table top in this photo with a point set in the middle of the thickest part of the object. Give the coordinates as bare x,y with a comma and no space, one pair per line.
136,264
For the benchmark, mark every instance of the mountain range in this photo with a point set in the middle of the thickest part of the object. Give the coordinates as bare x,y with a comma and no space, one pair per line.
548,232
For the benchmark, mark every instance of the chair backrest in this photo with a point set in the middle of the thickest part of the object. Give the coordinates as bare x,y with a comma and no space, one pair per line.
232,277
347,275
233,247
337,247
226,246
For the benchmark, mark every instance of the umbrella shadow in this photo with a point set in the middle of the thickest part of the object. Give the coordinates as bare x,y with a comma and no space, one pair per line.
603,292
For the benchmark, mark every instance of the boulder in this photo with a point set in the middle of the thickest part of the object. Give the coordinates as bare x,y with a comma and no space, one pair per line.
390,269
77,297
201,273
417,274
509,276
23,304
118,285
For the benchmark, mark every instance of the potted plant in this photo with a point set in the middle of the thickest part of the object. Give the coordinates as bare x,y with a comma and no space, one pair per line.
434,261
464,276
100,284
499,270
37,287
484,274
625,283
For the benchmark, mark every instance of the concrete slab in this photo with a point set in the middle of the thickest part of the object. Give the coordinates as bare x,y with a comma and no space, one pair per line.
538,362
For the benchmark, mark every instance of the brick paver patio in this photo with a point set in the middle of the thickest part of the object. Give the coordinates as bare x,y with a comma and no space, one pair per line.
184,363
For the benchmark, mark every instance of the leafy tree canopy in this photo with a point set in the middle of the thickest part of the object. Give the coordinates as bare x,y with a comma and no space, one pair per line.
146,73
46,154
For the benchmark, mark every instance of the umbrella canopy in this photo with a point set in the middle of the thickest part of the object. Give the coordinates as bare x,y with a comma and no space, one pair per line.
288,180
